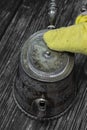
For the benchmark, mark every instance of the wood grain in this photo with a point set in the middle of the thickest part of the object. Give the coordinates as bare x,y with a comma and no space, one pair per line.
30,17
7,11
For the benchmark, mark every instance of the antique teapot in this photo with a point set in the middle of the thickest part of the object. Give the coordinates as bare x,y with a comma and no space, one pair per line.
45,83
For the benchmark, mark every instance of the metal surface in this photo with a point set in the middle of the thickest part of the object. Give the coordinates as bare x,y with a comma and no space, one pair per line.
84,8
45,85
43,64
29,17
52,11
57,96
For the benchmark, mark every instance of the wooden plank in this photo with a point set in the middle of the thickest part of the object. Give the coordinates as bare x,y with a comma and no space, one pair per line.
29,19
7,11
9,50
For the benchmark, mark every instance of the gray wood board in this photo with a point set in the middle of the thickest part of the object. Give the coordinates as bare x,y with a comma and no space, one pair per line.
7,11
30,17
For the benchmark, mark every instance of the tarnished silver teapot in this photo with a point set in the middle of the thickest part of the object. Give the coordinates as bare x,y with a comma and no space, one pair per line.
45,83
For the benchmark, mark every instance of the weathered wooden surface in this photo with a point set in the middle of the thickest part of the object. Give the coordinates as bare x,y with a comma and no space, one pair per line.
24,19
7,11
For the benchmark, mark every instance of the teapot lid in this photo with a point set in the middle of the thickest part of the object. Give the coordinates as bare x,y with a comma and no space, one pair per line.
43,64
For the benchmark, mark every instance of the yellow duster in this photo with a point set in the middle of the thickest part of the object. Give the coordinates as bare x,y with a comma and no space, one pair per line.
71,39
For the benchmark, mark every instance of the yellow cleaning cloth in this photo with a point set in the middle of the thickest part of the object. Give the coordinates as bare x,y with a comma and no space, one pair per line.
71,39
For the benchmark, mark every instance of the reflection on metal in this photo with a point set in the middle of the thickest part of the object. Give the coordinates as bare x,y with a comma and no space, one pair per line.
41,105
43,64
84,6
52,11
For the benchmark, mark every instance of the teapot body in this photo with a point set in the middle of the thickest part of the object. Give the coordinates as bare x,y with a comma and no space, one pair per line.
45,83
56,97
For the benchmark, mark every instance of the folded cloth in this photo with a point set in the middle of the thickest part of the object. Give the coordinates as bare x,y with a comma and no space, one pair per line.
70,39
